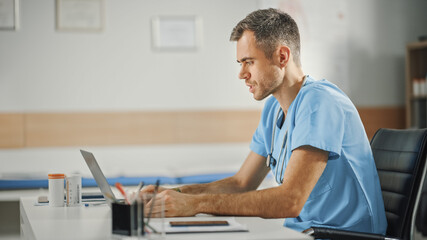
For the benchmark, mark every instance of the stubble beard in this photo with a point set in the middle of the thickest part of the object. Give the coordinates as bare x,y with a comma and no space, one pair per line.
271,88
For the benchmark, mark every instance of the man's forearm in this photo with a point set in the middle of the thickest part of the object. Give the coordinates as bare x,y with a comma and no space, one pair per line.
234,195
287,200
267,203
226,185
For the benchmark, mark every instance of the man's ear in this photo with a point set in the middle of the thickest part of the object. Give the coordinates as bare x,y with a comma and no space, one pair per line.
284,55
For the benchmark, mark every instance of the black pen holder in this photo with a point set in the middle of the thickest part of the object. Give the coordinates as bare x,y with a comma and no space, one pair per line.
128,219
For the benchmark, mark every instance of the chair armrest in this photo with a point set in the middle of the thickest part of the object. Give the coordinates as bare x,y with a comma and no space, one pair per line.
329,233
421,221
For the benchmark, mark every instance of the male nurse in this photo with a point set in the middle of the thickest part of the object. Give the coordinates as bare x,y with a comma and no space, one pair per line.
310,137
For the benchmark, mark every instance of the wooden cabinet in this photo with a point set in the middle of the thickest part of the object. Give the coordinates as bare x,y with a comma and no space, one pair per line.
416,86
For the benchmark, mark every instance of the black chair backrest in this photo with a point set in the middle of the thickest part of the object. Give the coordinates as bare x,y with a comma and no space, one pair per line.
400,158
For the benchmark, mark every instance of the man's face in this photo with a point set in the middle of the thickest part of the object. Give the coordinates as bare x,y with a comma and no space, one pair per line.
261,75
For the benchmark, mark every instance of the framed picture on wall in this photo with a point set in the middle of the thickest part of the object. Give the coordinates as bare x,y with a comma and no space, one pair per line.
176,33
9,11
80,15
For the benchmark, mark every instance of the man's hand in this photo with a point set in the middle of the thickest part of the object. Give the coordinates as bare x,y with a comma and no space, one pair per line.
150,189
175,204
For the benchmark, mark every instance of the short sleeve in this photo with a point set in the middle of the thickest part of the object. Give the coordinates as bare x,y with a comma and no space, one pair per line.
258,145
319,122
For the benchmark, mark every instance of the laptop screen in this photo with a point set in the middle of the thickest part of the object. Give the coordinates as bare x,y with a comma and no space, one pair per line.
99,176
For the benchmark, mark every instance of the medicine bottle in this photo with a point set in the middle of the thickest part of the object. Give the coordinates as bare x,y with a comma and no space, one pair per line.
56,189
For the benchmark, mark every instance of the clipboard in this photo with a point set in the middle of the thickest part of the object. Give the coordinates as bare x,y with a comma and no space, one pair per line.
202,226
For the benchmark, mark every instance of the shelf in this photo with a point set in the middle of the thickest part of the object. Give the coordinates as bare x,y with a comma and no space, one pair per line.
416,68
417,45
419,98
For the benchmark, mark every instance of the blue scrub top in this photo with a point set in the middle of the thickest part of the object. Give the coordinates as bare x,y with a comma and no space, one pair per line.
348,194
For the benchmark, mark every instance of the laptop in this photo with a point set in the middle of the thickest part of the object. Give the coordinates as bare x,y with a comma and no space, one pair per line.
99,176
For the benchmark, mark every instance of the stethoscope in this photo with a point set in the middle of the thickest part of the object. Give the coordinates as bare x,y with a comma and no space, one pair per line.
271,161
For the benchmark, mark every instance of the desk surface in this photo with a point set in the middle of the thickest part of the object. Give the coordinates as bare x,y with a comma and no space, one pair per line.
44,222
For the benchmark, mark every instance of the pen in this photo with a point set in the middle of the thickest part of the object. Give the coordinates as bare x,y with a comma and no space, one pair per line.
122,191
138,189
141,184
152,204
94,204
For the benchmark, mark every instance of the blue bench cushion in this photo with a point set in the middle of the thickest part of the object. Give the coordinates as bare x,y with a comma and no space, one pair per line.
126,181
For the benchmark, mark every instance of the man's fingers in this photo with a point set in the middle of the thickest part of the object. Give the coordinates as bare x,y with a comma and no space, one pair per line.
156,212
148,189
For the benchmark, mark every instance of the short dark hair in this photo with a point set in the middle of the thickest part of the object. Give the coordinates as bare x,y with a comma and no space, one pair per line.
271,28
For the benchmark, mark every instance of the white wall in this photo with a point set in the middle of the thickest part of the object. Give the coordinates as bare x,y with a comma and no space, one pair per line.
45,70
379,31
136,161
42,69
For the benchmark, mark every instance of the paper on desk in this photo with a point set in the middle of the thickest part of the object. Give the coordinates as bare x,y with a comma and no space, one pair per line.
233,226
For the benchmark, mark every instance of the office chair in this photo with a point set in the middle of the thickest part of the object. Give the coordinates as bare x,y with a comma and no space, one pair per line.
421,218
400,157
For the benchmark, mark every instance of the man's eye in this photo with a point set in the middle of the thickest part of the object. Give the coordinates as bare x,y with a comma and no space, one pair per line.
246,63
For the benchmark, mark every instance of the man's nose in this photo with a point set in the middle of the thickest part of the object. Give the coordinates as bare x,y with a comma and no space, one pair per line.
243,74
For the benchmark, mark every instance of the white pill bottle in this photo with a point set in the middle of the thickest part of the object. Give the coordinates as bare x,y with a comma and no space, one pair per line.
56,189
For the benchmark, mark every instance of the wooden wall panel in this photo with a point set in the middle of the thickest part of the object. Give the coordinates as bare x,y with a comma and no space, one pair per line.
11,130
374,118
79,129
134,128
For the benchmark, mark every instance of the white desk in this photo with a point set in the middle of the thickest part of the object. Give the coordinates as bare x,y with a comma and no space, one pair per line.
44,222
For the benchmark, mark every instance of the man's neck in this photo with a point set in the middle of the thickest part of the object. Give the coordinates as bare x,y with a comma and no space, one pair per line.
289,89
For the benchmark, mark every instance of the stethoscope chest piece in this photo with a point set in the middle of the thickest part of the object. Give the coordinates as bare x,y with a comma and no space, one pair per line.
270,160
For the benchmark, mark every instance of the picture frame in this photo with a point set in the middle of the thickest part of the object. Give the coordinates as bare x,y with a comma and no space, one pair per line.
9,15
80,15
176,33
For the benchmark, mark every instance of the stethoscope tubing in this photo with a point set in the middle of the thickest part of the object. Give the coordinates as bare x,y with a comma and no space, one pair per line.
284,146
